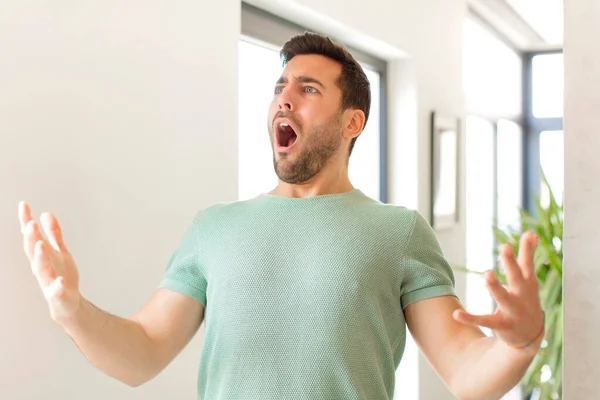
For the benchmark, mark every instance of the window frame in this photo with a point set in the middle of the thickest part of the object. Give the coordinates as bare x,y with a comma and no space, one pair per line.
532,129
271,31
531,126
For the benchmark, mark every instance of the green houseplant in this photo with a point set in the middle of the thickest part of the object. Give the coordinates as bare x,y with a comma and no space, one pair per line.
543,379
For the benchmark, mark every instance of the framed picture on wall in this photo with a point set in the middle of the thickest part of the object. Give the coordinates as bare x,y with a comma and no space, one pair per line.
445,132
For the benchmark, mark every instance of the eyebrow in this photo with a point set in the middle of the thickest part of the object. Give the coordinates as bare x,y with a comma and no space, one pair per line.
302,79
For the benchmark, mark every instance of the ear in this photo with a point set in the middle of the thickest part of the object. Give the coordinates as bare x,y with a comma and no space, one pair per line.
354,123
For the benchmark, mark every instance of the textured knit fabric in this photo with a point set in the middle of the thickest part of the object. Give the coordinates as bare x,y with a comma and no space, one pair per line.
304,297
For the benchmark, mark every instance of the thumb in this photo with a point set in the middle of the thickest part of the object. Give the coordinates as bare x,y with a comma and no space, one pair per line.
488,321
56,290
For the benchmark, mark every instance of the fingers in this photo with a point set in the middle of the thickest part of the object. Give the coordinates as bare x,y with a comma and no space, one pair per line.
41,264
28,229
40,252
32,233
53,231
498,292
527,247
514,277
24,215
30,237
488,321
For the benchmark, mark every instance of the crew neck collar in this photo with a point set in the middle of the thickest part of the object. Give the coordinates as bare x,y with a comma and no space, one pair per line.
331,196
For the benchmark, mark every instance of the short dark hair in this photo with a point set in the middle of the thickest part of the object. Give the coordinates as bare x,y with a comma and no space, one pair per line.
353,82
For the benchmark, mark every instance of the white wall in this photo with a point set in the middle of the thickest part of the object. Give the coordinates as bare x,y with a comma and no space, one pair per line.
582,193
121,119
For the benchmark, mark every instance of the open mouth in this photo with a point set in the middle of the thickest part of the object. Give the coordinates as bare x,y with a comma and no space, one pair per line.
286,136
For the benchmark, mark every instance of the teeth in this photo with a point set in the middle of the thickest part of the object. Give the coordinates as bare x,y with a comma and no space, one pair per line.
284,124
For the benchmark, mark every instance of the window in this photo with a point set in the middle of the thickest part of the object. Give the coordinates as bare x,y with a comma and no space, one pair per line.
364,168
259,68
544,115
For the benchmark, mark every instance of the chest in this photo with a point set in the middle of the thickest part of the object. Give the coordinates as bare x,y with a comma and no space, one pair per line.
322,267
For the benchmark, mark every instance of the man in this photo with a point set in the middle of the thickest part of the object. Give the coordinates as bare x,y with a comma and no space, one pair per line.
305,291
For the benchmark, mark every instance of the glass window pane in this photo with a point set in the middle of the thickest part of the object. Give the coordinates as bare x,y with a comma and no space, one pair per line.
364,170
510,173
552,163
547,85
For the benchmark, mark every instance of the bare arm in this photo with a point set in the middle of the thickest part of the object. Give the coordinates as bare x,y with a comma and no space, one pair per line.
472,365
131,350
136,350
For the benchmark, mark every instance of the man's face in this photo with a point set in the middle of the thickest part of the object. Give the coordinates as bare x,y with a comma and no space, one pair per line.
305,120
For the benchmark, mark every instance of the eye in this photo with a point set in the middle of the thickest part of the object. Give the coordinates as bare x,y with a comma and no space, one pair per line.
278,89
310,89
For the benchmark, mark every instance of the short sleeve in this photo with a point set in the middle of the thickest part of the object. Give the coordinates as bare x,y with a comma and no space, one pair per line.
184,272
426,273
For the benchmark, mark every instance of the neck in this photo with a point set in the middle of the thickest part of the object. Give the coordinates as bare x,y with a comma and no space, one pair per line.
328,181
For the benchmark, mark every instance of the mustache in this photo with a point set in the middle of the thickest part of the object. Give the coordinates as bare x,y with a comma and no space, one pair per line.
282,114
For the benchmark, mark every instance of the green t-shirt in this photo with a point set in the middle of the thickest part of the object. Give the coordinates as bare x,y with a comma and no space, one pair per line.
304,297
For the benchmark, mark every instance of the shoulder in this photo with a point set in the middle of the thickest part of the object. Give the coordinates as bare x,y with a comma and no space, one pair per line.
396,216
396,221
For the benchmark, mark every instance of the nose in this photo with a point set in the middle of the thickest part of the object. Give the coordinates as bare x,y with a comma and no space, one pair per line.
285,101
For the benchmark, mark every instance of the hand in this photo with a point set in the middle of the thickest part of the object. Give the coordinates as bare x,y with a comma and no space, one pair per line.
519,318
51,263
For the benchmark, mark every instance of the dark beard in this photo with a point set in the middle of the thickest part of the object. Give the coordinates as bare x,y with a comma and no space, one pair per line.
325,141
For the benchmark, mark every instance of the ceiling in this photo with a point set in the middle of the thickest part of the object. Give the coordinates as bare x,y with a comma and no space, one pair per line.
529,25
